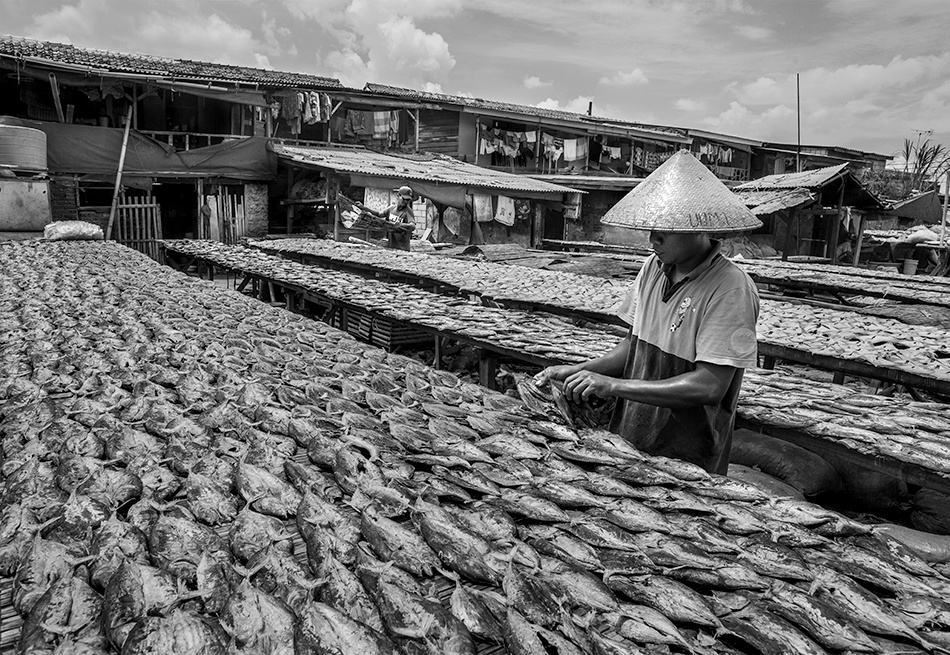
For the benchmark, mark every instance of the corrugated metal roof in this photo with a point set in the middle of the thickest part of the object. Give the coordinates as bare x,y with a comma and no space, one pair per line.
528,110
430,168
806,179
149,65
766,202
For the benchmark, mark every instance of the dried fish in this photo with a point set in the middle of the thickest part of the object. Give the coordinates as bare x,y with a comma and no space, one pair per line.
258,623
180,633
325,631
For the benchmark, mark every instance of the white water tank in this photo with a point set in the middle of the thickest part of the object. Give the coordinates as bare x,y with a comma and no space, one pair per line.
22,148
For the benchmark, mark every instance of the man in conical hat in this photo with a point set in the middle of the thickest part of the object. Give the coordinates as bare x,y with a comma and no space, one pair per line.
692,317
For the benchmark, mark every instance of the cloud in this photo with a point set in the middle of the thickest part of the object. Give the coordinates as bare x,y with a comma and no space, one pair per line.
636,76
380,41
753,32
397,53
688,104
534,82
840,85
433,87
173,28
857,104
578,105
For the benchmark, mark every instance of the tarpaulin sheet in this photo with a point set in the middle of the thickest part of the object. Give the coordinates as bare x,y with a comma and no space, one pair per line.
86,149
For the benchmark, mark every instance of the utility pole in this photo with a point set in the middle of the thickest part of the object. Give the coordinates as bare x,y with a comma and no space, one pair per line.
798,112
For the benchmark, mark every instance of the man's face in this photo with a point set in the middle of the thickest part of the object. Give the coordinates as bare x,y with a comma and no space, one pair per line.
674,248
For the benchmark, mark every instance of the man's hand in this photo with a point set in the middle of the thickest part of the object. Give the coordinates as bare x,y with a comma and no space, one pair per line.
584,384
560,372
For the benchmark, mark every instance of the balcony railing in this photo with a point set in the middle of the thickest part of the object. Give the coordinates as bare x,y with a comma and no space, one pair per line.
190,140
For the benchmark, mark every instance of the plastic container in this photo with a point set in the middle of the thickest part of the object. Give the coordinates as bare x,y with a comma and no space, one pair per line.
910,267
22,148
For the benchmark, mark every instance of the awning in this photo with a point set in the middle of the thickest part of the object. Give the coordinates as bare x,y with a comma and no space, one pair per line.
91,150
767,202
442,178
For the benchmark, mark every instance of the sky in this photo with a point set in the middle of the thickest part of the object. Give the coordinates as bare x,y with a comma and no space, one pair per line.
872,72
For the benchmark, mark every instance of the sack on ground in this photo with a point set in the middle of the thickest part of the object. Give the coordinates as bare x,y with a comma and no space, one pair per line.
927,546
72,231
802,469
767,483
931,512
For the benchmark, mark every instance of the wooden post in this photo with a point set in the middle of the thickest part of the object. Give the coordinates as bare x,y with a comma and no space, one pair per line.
857,246
943,219
836,224
118,174
417,130
487,369
200,232
792,215
477,138
538,225
290,208
633,149
54,85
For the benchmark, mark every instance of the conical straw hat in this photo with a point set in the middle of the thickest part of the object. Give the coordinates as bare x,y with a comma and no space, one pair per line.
682,195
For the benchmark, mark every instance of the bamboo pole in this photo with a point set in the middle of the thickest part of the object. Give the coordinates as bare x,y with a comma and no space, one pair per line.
118,173
943,220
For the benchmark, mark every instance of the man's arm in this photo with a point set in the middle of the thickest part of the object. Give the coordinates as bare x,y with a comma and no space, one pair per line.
706,385
611,364
378,214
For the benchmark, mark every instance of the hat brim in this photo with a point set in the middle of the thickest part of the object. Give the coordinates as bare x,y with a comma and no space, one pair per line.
682,195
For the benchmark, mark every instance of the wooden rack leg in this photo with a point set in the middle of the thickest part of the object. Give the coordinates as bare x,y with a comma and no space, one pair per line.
439,346
838,377
291,304
244,282
487,369
768,362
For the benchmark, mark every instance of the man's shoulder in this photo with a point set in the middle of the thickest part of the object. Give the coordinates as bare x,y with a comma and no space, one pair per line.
728,275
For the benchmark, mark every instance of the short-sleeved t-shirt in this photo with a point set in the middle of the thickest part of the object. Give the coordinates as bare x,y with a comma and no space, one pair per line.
709,316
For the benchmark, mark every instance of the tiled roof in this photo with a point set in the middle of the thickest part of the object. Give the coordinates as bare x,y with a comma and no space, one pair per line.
424,168
527,110
150,65
804,180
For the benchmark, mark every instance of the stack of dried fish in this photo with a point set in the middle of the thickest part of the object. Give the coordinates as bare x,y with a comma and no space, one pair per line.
881,342
910,432
188,471
539,334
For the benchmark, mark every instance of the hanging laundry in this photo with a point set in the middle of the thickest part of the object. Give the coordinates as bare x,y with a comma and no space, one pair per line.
452,220
274,109
547,139
531,137
380,124
394,126
326,107
582,148
505,214
570,149
307,112
483,208
615,153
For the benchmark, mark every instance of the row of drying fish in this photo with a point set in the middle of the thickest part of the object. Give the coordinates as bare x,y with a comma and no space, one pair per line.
187,470
916,433
879,341
539,334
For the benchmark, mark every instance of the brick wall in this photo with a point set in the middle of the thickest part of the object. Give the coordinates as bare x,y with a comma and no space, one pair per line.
64,200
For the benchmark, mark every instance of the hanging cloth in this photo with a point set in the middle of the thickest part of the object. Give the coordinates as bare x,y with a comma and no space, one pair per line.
381,124
483,208
452,220
581,151
505,214
570,149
